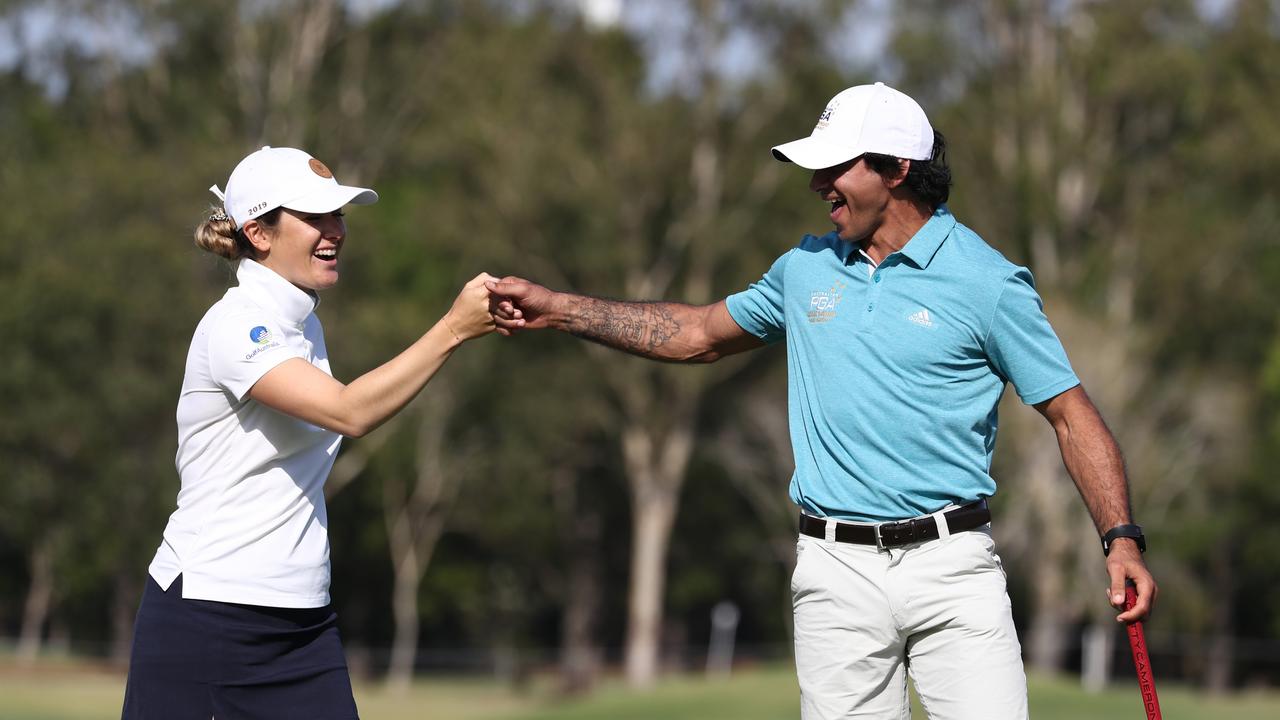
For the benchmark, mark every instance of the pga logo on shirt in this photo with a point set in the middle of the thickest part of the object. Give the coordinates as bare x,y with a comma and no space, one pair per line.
823,303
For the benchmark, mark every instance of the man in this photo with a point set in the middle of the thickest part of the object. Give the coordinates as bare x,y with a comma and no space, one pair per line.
902,327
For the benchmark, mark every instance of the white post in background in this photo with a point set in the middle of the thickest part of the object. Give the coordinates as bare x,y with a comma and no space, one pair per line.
724,626
1096,662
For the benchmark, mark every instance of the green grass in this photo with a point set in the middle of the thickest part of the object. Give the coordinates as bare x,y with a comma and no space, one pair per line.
68,691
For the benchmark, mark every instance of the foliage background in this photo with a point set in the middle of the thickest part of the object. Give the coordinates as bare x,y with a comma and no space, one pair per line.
1125,151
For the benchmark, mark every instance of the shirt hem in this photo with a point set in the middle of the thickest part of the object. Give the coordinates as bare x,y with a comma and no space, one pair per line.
193,588
748,327
1051,391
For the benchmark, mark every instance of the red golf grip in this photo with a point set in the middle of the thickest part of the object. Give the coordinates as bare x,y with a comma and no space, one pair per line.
1141,660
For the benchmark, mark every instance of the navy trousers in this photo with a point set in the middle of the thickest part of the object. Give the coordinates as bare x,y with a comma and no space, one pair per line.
199,659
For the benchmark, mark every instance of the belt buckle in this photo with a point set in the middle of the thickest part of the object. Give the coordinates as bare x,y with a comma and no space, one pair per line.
894,528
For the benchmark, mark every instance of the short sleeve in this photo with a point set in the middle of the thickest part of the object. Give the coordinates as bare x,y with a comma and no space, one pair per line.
1023,346
759,309
242,348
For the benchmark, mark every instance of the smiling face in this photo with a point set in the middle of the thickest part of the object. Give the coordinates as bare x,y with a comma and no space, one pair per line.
303,248
858,196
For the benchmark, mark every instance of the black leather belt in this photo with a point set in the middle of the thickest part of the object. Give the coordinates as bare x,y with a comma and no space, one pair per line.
903,532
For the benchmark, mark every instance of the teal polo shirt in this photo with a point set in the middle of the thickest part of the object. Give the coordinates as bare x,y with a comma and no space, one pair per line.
895,372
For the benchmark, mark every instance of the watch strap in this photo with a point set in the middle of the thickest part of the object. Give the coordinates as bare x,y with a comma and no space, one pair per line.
1133,532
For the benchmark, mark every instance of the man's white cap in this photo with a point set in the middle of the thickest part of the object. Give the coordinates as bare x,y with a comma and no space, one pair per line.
285,177
863,119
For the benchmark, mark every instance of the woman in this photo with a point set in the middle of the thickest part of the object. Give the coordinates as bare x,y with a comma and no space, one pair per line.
235,621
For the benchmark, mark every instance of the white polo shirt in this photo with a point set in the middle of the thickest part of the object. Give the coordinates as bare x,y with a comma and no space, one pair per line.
251,525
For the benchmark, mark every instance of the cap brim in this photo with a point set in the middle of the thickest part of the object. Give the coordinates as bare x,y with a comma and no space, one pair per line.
814,154
332,197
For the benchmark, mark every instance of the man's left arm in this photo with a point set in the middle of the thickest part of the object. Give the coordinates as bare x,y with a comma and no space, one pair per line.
1096,466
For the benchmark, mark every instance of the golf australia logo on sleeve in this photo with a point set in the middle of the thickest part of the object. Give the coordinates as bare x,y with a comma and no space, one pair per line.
823,303
262,337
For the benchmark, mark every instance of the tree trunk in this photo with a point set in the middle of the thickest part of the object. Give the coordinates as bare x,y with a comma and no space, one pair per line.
124,608
1050,623
1221,655
1052,614
414,526
404,609
580,528
35,611
579,658
652,516
272,93
656,465
1095,658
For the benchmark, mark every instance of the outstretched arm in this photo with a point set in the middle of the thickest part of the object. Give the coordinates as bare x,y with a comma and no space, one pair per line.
296,387
1094,462
672,332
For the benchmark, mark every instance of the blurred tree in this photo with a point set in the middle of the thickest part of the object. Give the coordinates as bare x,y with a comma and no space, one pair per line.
1123,150
81,335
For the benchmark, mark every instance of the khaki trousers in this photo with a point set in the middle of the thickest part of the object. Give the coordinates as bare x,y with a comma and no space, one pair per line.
939,611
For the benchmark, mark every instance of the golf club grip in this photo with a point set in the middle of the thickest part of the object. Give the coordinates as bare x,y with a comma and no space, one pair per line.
1141,659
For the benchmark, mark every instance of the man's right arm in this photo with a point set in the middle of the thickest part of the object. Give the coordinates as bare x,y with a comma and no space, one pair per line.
667,331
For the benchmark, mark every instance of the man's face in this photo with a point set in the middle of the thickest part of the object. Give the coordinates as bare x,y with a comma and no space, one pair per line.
857,195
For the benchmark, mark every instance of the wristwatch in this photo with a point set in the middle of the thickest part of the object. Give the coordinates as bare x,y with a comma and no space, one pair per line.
1134,532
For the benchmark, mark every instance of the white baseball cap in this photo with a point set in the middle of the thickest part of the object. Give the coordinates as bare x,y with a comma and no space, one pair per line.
863,119
285,177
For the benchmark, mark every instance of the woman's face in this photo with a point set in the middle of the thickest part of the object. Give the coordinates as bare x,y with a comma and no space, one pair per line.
304,248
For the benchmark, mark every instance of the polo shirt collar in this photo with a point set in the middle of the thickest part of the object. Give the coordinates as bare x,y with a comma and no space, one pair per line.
922,246
274,293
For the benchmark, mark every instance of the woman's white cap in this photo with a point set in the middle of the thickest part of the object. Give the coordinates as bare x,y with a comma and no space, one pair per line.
863,119
285,177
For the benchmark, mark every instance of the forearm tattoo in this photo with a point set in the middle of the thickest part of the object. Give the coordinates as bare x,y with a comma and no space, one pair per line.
641,328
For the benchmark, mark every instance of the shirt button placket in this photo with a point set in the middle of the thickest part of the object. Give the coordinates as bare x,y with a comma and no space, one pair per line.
871,289
873,297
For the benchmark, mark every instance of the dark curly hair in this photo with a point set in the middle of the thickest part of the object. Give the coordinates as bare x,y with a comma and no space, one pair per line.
929,180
